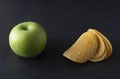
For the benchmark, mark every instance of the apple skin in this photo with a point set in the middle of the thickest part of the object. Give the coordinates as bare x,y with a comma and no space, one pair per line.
27,39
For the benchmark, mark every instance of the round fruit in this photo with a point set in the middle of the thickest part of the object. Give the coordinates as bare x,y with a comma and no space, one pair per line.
28,39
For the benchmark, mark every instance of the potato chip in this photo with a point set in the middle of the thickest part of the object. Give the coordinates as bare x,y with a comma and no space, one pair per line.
108,44
99,56
91,45
83,49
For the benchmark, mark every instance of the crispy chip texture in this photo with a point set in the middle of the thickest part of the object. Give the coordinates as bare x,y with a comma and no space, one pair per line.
91,45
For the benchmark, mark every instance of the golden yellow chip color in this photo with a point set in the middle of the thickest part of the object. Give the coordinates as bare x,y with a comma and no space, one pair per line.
83,49
108,44
99,59
91,45
100,53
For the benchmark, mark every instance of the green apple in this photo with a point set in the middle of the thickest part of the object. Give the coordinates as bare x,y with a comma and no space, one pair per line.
27,39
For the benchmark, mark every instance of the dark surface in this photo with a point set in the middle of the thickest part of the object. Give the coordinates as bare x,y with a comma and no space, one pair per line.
64,21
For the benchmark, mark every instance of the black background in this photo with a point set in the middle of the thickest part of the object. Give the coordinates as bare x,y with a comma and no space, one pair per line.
64,21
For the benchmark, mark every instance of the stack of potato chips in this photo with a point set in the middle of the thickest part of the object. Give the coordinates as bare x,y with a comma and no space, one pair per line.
91,45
